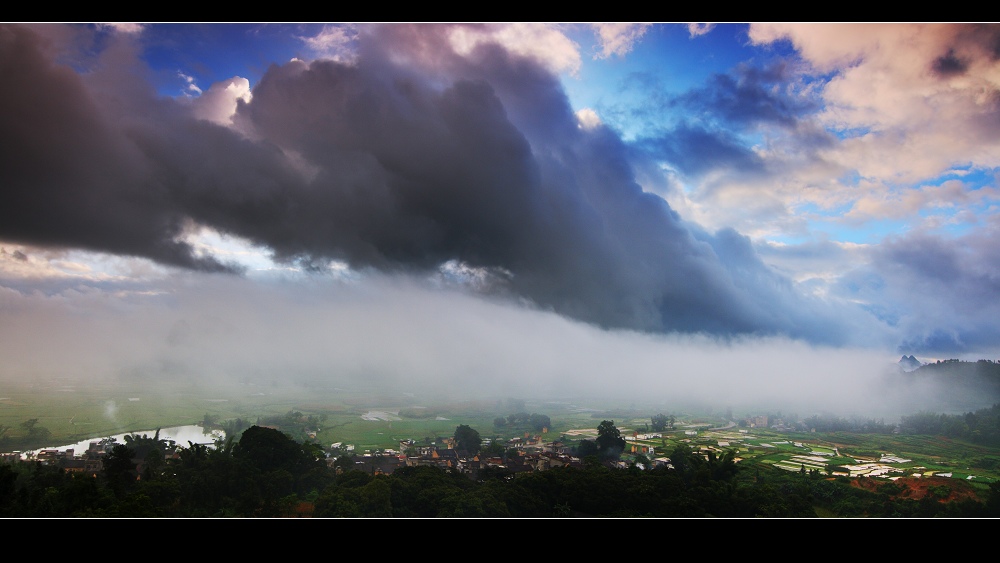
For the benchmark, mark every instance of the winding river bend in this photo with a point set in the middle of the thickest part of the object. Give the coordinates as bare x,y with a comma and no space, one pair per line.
181,435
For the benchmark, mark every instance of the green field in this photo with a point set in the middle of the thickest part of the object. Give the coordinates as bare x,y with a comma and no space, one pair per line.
68,413
71,412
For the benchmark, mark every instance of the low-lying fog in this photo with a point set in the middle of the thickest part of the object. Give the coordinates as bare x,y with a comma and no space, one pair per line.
404,336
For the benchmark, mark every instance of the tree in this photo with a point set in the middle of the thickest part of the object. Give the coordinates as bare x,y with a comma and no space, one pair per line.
494,449
518,418
539,422
118,468
682,458
344,462
35,432
660,422
609,440
269,450
642,462
515,404
587,448
468,439
143,445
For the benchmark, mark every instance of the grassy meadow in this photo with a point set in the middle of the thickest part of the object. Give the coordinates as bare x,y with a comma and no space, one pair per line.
65,413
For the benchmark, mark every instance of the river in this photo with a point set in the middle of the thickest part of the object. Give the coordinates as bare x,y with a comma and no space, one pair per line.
181,435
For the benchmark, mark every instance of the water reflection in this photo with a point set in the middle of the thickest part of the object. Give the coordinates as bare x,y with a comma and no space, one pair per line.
181,435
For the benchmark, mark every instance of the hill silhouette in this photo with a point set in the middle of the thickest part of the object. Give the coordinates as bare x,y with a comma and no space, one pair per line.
952,385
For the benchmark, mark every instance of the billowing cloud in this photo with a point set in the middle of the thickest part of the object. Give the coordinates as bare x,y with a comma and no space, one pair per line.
72,175
746,146
939,292
218,104
862,118
544,43
415,155
915,99
837,127
422,204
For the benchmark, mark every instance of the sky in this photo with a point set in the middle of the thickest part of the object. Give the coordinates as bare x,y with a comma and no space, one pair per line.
734,211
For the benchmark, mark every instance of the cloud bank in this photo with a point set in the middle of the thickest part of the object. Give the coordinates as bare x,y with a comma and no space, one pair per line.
447,203
389,164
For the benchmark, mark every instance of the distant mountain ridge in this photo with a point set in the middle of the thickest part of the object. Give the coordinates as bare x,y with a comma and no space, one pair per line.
909,363
951,385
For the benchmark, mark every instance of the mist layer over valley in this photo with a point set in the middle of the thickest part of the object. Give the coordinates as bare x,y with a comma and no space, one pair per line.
496,210
401,338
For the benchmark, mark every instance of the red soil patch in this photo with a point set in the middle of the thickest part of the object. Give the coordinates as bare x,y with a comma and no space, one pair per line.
301,510
917,488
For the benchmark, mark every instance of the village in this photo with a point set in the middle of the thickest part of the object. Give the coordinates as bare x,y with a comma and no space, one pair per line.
532,453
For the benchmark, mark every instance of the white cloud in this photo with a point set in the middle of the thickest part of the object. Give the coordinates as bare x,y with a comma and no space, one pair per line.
334,42
914,120
697,29
588,118
129,28
545,43
218,104
617,39
950,195
22,263
208,242
191,86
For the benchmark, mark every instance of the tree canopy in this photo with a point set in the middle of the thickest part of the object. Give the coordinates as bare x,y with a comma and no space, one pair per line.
468,439
660,422
609,440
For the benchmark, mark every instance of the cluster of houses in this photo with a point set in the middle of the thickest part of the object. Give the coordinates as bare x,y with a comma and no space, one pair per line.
532,454
527,454
523,455
89,462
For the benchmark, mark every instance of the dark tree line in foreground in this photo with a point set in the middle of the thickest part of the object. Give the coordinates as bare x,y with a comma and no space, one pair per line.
268,474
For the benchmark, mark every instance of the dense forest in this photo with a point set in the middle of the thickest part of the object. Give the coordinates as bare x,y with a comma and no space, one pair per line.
266,473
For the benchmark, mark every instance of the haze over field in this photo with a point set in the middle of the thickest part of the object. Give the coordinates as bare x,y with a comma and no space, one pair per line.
738,214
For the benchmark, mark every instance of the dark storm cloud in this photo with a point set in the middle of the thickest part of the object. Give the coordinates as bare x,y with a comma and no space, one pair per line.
710,137
749,95
695,150
391,164
446,174
69,176
772,296
723,119
949,65
977,40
